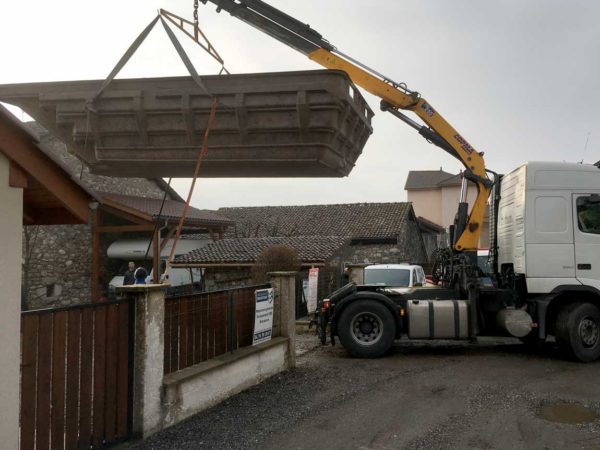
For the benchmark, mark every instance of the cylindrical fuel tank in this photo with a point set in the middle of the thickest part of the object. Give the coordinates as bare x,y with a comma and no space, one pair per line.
438,319
516,322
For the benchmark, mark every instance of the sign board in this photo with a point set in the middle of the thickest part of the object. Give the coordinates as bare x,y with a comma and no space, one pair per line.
313,284
263,318
304,290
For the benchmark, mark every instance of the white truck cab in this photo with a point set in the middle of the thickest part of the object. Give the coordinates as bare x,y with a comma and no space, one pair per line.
549,225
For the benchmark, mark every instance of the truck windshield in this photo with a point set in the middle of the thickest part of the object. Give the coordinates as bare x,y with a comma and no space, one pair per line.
388,277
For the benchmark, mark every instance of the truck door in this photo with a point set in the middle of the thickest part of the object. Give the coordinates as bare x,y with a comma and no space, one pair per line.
587,238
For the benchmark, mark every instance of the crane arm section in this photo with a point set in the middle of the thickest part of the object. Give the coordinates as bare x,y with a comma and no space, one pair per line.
394,96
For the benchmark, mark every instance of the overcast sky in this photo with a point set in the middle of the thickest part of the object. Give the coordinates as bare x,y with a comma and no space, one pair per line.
519,79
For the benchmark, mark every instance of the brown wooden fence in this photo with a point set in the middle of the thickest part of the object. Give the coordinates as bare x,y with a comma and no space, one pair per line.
201,326
75,376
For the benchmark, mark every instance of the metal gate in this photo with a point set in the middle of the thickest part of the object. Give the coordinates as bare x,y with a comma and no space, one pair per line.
76,376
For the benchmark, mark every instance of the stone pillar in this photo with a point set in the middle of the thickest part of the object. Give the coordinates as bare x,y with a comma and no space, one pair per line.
11,234
284,284
148,357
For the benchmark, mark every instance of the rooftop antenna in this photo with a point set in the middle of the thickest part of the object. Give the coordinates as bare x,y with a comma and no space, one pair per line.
587,139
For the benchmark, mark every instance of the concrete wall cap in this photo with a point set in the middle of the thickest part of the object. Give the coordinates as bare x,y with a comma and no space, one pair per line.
282,274
140,287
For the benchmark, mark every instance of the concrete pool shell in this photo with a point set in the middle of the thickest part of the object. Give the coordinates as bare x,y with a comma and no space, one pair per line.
287,124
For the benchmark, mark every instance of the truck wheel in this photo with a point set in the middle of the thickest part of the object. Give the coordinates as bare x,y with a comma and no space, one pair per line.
578,331
366,329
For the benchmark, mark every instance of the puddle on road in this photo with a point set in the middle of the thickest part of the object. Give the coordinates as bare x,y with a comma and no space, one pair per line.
570,413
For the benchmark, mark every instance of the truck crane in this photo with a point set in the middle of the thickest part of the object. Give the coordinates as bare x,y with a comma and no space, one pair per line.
544,227
394,98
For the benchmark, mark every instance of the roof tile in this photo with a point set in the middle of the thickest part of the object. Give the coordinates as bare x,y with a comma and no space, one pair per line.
426,179
311,249
355,220
171,210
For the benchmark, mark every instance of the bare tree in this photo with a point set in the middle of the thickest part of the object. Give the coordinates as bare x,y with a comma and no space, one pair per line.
273,259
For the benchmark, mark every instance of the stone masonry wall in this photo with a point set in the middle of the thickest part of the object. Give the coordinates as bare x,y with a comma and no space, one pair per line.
57,265
219,278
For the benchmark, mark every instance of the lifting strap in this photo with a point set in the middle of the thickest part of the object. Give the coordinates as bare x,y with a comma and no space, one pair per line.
201,154
134,47
197,79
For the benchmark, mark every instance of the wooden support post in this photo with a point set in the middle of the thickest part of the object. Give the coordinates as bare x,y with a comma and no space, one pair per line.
155,257
95,257
167,238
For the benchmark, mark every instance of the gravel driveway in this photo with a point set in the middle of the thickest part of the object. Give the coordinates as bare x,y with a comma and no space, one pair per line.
490,395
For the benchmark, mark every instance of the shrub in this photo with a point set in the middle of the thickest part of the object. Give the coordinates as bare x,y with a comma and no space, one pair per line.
275,259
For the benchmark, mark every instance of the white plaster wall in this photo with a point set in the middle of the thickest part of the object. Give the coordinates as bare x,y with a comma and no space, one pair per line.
195,394
11,219
427,204
450,198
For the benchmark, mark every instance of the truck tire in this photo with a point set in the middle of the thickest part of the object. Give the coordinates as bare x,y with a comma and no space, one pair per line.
578,331
366,329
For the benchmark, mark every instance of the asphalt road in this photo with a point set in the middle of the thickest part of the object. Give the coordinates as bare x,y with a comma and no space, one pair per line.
492,395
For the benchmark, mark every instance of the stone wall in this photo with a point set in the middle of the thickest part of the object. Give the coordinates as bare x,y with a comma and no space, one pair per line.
57,259
57,263
219,278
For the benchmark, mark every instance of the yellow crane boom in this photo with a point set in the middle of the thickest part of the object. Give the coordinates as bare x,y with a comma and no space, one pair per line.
394,96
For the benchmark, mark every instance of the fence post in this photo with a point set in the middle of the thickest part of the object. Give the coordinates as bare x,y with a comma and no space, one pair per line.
284,285
231,322
148,357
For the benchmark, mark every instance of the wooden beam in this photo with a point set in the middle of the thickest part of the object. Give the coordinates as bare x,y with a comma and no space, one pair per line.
125,211
19,148
29,215
17,177
167,238
124,228
155,257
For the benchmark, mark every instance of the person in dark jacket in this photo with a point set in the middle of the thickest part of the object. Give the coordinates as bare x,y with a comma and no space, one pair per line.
129,277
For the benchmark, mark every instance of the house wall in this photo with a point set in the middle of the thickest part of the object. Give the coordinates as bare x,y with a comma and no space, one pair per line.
11,221
427,203
409,248
439,206
57,259
450,199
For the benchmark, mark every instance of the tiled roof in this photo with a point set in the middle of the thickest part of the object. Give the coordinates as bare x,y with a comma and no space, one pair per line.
73,165
428,225
171,209
355,220
426,179
455,180
311,249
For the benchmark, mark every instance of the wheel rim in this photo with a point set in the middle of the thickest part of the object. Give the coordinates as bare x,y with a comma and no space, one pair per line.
589,331
366,328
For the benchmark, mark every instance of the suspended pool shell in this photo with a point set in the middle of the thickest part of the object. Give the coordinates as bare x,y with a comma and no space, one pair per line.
287,124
